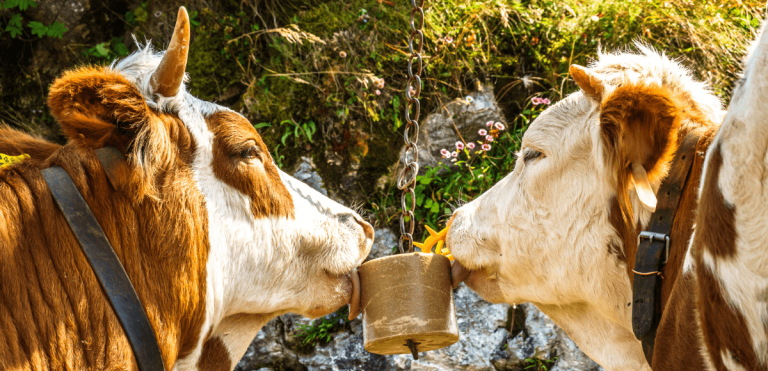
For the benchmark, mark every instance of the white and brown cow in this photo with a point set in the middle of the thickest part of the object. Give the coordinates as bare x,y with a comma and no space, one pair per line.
215,239
729,252
560,231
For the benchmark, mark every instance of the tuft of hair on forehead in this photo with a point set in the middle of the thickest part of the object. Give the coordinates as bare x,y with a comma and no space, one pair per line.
139,67
639,123
650,65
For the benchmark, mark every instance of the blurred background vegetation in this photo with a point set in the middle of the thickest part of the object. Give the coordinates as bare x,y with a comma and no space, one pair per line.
324,79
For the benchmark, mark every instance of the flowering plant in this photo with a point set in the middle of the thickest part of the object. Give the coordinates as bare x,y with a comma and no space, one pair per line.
471,167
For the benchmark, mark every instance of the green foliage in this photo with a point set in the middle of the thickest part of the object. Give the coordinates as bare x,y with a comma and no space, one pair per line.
14,23
108,49
21,4
138,15
321,330
470,173
537,364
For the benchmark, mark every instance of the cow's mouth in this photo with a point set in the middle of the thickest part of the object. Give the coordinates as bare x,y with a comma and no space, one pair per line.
354,301
458,273
354,283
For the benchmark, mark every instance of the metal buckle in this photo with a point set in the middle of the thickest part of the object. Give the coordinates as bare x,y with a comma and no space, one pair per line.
657,236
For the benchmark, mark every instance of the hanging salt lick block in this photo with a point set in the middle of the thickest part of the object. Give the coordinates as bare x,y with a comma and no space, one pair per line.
407,299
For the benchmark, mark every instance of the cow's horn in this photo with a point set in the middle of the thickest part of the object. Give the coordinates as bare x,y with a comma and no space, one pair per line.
166,80
587,81
643,187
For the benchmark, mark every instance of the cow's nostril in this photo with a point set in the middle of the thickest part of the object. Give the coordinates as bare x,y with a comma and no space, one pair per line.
367,228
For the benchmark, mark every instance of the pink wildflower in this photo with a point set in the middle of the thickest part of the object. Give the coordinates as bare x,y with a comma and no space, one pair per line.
544,101
444,152
536,101
486,147
488,138
482,132
381,83
489,123
499,126
343,54
378,92
459,145
471,145
448,39
455,153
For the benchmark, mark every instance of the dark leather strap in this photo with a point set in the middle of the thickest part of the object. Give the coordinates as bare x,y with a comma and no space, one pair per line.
652,252
107,268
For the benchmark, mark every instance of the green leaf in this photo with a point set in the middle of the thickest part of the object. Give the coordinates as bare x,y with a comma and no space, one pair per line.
141,15
21,4
57,29
121,49
14,25
286,135
38,28
101,50
130,17
435,208
262,125
194,22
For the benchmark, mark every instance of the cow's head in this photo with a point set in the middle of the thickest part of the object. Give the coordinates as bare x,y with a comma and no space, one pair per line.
552,232
274,245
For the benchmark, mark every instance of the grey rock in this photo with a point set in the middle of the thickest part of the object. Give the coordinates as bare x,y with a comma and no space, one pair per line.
269,350
541,340
346,352
464,116
485,344
482,331
306,173
383,242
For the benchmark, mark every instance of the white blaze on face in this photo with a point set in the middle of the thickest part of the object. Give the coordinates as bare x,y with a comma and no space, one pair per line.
294,260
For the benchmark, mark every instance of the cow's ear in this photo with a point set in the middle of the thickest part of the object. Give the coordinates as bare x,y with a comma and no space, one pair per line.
97,107
587,81
639,125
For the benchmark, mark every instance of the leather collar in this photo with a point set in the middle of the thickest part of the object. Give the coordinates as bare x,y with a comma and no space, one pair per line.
106,266
653,247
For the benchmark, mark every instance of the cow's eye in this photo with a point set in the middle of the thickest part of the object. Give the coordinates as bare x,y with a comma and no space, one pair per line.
531,155
250,153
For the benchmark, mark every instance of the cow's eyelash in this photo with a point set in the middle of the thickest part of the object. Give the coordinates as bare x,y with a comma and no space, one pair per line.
530,155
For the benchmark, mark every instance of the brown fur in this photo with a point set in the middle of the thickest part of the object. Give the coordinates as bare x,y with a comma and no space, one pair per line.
639,123
647,124
53,312
215,356
721,326
234,135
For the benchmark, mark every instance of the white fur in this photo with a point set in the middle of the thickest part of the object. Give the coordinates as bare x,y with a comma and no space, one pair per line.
743,182
545,228
265,266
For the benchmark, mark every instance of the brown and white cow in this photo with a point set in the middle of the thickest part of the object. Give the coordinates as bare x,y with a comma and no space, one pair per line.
214,237
729,252
560,231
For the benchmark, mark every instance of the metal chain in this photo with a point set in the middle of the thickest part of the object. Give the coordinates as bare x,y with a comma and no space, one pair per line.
407,178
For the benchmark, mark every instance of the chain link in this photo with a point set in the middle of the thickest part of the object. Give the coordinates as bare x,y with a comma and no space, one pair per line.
406,181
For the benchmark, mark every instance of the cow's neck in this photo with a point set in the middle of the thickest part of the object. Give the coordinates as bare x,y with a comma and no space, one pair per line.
162,242
677,326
